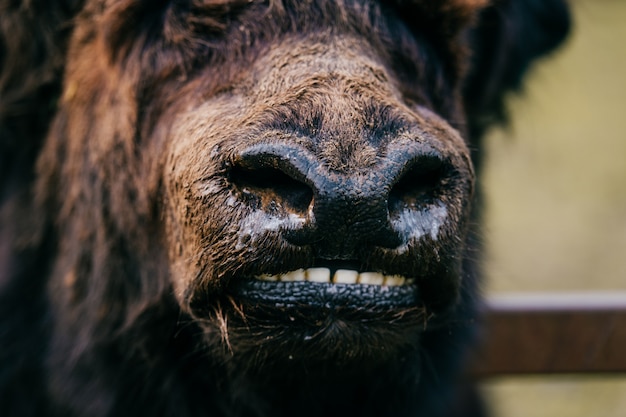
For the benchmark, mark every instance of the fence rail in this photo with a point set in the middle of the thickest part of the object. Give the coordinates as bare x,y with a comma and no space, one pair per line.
554,333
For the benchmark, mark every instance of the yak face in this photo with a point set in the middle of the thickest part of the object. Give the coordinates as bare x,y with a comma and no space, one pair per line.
316,201
296,175
313,196
247,207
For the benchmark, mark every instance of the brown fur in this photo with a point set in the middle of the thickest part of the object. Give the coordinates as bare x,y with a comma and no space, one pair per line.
129,227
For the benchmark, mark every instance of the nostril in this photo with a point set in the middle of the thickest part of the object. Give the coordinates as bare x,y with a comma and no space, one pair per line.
418,185
271,188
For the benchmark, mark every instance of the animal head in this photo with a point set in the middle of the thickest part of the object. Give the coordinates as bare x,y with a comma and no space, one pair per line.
295,180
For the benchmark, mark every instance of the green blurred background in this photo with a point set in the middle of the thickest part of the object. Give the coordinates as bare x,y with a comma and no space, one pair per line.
556,208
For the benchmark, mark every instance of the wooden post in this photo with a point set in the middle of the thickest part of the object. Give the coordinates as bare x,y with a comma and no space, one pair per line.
553,333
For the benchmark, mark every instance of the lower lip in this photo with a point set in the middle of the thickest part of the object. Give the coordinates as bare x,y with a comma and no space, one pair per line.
326,295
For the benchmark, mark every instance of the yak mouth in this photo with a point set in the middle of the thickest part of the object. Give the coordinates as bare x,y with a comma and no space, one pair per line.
338,276
330,287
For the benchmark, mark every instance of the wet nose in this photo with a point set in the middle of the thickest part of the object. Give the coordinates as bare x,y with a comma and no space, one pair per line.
345,211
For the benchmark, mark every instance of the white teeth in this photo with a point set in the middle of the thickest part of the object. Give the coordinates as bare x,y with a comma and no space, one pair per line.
268,277
346,276
371,278
394,280
297,275
318,275
342,276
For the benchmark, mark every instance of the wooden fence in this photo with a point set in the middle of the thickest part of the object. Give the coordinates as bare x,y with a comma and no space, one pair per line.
554,333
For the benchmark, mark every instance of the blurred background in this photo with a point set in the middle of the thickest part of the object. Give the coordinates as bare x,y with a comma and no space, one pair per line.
556,207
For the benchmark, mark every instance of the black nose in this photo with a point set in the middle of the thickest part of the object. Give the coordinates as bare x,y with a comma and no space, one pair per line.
345,211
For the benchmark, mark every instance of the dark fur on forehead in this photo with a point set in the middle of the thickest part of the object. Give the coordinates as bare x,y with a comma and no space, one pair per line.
172,40
445,16
199,25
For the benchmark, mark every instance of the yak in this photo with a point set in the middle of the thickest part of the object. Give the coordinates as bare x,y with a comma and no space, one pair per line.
249,207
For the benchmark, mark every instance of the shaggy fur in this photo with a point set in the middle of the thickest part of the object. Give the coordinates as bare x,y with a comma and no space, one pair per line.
129,134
